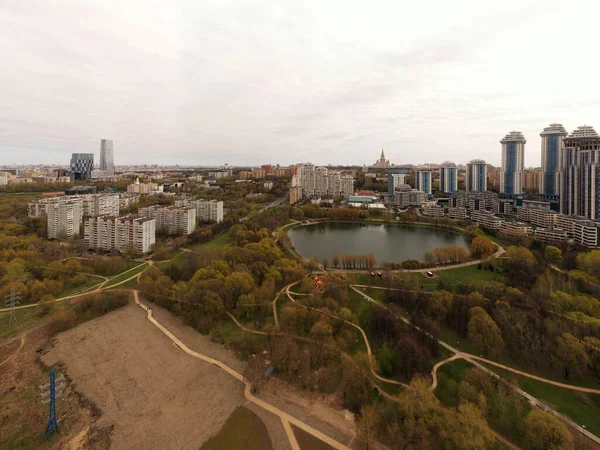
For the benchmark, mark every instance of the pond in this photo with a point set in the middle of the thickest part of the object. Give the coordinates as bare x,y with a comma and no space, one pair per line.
388,242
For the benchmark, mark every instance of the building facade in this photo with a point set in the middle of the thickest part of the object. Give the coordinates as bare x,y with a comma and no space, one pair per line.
171,220
81,166
552,147
476,176
405,196
396,177
382,163
320,182
120,234
423,179
531,180
448,177
513,160
580,174
64,218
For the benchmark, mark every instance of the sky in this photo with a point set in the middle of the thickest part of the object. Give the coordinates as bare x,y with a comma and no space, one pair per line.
331,82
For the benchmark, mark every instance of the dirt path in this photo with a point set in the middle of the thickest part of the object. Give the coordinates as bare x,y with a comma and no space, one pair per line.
286,419
11,357
437,366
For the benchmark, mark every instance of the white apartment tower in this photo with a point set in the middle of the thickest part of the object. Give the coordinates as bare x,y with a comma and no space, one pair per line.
315,182
448,177
64,218
171,220
120,233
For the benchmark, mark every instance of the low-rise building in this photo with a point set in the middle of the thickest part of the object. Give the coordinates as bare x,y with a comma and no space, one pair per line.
268,185
433,211
406,196
537,216
550,235
457,213
515,228
120,233
486,219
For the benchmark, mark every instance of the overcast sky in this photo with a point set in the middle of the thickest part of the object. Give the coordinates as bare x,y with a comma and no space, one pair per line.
251,82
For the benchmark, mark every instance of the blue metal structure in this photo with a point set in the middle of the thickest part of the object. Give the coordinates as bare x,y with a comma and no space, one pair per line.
52,423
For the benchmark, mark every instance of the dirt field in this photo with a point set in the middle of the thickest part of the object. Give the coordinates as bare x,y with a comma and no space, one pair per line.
153,394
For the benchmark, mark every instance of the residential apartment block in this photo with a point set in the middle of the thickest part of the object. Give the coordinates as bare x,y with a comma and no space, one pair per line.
120,233
171,220
64,218
320,182
406,196
206,210
457,213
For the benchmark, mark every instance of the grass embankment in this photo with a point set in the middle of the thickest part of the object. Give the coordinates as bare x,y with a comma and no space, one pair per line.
580,407
125,275
308,441
464,275
218,242
26,318
242,430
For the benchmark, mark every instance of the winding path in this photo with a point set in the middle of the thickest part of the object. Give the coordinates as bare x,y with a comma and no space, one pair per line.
286,418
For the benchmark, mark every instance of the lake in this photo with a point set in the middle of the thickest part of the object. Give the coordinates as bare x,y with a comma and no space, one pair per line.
389,243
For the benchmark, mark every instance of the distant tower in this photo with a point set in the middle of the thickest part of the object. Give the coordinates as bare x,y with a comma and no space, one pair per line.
106,156
476,180
448,177
552,148
513,160
423,179
81,165
396,177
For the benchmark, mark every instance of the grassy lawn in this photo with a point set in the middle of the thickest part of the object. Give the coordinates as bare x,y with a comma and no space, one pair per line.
464,275
582,408
217,242
126,275
91,282
362,309
242,430
308,441
26,318
131,284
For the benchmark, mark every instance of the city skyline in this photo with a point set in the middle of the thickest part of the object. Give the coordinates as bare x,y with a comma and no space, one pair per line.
233,83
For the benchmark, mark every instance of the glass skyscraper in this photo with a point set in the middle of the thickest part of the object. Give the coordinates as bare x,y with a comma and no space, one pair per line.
476,180
448,177
81,165
552,147
513,160
106,156
423,179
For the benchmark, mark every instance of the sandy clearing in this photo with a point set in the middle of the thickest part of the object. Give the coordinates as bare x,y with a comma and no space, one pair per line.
153,394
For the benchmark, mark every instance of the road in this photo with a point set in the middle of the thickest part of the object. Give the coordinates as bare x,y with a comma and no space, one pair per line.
280,201
286,418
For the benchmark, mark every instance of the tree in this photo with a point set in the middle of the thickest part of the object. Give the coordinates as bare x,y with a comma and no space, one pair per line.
543,431
312,265
483,332
589,262
467,431
520,266
553,254
254,372
325,262
570,354
357,387
335,259
481,247
367,425
429,257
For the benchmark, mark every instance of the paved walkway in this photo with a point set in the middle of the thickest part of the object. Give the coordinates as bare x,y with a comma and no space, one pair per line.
286,418
474,361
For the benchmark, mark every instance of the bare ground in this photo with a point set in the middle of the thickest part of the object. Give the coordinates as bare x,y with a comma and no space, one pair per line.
154,395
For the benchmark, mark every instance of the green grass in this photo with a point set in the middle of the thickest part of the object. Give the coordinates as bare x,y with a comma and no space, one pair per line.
126,275
464,275
217,242
26,318
582,408
362,309
243,430
91,282
131,284
308,441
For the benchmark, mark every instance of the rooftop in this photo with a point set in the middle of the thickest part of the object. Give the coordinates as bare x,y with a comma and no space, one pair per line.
583,132
514,136
554,128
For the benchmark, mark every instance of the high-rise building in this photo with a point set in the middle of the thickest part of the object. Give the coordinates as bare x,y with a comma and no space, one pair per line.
580,174
82,165
316,182
171,220
531,179
476,180
107,162
120,233
64,218
423,179
448,177
405,196
396,177
552,147
382,163
513,160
